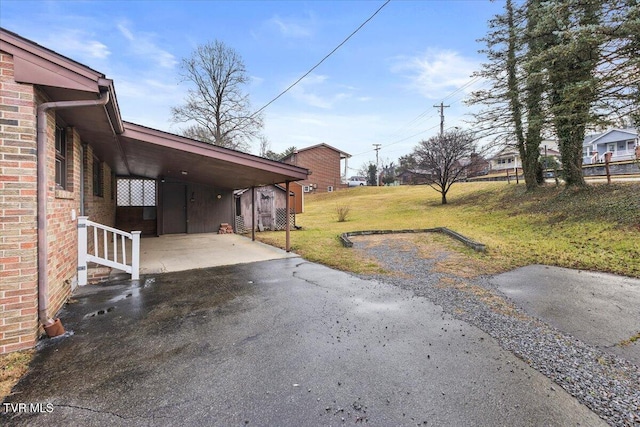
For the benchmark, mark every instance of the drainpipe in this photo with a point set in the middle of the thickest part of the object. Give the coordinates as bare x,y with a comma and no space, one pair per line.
43,250
83,151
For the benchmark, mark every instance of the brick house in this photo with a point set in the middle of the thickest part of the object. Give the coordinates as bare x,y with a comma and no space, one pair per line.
65,152
327,165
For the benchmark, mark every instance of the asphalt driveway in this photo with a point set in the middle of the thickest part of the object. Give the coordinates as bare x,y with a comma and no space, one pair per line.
283,342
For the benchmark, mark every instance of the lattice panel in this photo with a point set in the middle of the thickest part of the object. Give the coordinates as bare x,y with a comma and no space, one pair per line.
281,218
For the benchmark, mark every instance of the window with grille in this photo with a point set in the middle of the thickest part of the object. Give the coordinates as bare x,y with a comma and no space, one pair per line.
136,192
61,158
98,180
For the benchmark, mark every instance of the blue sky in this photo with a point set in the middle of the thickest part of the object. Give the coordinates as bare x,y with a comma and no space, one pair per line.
378,88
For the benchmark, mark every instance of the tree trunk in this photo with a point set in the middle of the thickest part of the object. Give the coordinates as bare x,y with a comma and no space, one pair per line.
571,152
444,198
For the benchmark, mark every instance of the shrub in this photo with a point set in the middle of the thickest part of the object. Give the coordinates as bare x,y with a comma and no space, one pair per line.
343,212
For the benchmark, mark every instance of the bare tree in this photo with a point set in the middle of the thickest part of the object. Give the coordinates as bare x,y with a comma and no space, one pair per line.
216,101
448,157
265,146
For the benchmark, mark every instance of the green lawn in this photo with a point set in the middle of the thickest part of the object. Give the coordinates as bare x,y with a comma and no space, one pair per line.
596,229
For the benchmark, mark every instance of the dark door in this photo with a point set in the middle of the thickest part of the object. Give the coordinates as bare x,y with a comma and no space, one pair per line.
174,203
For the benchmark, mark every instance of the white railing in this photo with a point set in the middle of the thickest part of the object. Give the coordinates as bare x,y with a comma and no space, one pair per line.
106,241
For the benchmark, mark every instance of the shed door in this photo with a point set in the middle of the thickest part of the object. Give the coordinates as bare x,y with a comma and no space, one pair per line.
174,203
266,211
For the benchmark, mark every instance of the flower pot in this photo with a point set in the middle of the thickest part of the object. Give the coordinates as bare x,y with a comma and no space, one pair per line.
54,329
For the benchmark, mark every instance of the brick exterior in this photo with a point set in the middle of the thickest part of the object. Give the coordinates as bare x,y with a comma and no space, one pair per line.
324,164
18,222
19,327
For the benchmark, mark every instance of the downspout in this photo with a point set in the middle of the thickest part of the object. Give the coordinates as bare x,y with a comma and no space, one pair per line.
83,151
43,250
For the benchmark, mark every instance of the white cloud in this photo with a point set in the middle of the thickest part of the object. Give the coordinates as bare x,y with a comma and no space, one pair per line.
292,28
142,44
436,73
78,44
313,92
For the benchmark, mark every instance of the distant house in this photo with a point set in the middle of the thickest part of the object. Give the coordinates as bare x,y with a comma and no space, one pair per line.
328,167
621,143
414,176
476,166
270,205
506,159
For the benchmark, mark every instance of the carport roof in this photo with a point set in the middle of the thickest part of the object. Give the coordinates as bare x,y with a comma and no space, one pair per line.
131,149
156,154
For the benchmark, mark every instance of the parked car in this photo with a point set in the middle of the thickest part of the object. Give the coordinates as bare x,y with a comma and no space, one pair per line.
357,181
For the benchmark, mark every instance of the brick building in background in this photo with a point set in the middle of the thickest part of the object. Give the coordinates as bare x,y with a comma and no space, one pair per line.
327,164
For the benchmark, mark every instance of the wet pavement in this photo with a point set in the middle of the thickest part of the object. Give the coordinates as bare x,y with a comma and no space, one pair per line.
283,342
598,308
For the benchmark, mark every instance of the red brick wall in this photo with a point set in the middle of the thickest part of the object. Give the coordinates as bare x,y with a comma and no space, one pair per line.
19,327
18,222
324,164
62,227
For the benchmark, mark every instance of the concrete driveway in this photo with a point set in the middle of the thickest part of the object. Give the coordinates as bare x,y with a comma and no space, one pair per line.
277,343
598,308
180,252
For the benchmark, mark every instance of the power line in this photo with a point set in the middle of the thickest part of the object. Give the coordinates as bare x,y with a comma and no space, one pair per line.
322,60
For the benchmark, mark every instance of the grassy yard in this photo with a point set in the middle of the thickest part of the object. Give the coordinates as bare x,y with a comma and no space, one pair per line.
596,229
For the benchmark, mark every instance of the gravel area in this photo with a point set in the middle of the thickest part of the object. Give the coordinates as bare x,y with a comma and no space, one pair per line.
605,383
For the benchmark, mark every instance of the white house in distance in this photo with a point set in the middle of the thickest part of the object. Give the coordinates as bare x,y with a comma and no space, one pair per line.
509,157
621,143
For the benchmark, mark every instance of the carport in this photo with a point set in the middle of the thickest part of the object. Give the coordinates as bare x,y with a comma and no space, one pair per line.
187,189
195,181
192,182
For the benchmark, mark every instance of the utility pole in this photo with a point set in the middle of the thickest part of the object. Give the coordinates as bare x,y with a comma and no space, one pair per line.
442,107
377,148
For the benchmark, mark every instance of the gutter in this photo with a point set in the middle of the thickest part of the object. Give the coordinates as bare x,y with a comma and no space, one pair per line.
43,250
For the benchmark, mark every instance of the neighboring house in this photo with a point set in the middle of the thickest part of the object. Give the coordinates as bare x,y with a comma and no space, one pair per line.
476,166
270,208
506,159
621,143
327,165
65,153
415,176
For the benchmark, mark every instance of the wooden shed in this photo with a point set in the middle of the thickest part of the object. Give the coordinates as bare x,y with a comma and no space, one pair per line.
270,208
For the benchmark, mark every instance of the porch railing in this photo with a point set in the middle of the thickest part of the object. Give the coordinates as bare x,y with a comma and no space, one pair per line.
109,249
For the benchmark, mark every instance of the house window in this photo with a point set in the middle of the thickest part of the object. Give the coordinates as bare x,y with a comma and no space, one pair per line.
238,206
136,192
98,181
61,158
112,187
330,189
306,188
